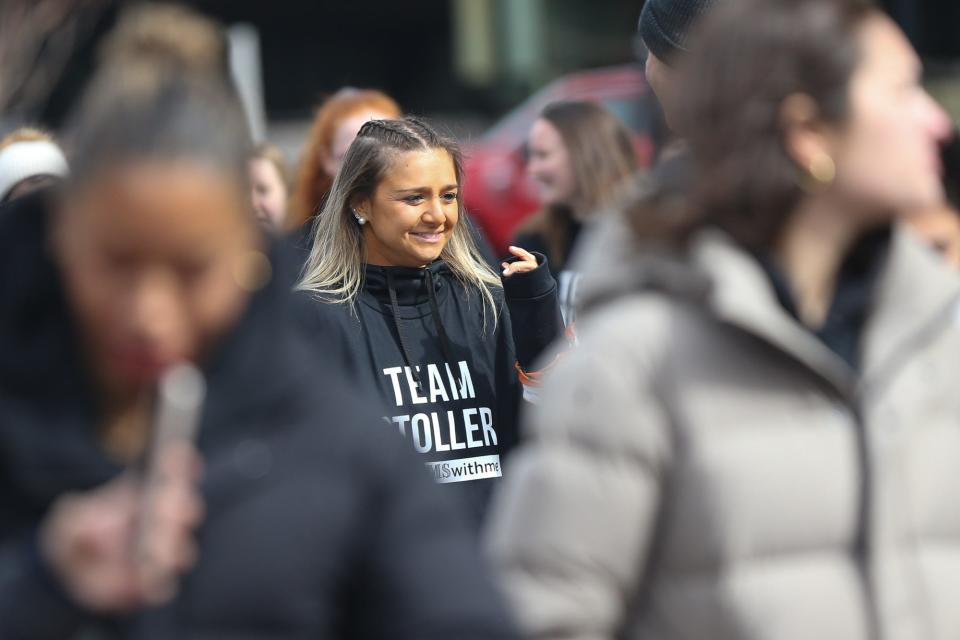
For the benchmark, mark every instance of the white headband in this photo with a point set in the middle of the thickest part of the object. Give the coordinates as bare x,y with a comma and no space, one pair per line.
22,160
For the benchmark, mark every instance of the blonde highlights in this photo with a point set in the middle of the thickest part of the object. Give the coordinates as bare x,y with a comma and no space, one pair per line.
335,267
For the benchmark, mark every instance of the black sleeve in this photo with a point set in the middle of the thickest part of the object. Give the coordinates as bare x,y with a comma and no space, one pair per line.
32,603
422,572
534,309
532,242
320,332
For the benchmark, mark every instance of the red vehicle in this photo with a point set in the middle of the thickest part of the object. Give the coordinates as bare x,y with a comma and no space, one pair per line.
498,194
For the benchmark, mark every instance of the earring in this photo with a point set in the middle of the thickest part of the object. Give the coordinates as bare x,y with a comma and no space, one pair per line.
822,169
360,219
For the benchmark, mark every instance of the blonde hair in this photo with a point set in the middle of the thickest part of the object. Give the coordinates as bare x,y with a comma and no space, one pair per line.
334,269
313,182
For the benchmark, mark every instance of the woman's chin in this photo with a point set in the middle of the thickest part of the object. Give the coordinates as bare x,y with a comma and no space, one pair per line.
424,255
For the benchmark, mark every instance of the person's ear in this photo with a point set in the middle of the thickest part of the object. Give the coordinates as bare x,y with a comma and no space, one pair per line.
361,207
806,139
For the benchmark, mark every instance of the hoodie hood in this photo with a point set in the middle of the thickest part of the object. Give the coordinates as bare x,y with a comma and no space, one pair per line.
410,284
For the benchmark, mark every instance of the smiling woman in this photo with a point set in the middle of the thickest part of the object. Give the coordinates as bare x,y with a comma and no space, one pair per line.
409,308
413,212
148,257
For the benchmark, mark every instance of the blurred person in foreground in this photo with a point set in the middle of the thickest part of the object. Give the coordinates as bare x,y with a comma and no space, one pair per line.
269,186
30,159
335,126
580,156
665,30
401,301
308,521
758,436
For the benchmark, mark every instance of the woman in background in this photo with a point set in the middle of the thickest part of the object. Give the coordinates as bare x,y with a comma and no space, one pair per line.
269,186
757,437
581,158
334,127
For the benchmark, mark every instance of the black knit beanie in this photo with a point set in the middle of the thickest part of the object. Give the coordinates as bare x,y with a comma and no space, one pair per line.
665,25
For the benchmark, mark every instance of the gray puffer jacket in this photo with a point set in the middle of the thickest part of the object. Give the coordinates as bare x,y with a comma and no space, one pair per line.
704,467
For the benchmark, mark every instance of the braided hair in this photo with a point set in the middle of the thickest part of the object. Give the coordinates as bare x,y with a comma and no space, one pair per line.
334,270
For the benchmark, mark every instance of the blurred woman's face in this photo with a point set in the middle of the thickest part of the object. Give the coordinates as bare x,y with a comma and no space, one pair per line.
549,165
268,193
887,156
344,135
153,257
413,211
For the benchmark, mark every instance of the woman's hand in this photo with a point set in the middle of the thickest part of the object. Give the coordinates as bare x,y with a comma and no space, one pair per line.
94,545
527,262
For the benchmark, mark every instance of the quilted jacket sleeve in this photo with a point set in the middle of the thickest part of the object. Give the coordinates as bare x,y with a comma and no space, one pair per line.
571,527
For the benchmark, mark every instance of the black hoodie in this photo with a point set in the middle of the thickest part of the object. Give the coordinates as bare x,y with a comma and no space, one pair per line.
318,523
444,370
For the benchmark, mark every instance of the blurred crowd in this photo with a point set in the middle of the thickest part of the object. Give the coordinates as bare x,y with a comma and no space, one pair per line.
709,399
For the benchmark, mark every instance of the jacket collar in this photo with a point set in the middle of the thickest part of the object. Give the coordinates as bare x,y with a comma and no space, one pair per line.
409,282
742,295
915,292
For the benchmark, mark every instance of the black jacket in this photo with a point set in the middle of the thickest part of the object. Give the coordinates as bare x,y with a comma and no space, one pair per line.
319,523
410,323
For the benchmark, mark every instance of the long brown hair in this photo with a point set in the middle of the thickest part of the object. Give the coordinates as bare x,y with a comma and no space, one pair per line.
603,160
313,182
748,58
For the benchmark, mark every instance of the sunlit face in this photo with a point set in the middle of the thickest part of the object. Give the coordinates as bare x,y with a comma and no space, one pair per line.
549,165
887,156
413,211
153,257
268,193
344,135
940,228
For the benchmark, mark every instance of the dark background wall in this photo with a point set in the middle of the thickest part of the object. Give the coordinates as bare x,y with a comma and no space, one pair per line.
309,48
933,25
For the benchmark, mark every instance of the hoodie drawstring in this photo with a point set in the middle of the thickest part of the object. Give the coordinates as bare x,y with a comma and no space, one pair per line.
441,331
396,321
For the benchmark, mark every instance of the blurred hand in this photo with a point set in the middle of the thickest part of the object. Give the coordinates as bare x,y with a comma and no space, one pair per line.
113,551
527,262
